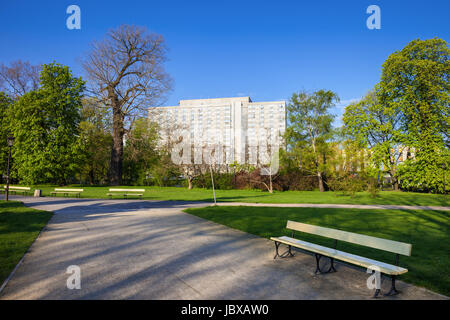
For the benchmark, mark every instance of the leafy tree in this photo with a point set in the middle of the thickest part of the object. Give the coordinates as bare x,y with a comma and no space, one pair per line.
5,103
45,124
140,151
377,126
95,131
310,130
415,80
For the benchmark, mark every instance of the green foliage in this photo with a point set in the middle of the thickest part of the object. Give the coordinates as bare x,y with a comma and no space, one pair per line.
45,124
140,152
95,132
415,80
5,104
377,126
352,172
348,184
372,187
409,109
427,174
310,130
222,181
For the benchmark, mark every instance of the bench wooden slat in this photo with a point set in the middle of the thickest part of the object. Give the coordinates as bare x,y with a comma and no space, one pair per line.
124,194
18,188
341,255
360,239
69,190
65,192
126,190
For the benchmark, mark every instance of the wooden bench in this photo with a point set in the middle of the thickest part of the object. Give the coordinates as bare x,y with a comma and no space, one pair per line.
334,254
67,192
125,192
15,190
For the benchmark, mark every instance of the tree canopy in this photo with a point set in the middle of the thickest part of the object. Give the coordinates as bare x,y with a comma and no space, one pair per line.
408,110
310,127
45,124
126,73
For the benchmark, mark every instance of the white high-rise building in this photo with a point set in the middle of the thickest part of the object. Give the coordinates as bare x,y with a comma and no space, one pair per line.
237,124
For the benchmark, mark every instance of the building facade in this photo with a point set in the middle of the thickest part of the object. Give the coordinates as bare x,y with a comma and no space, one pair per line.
242,127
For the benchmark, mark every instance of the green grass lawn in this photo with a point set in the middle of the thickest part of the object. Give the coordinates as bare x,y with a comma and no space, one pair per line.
255,196
19,226
427,231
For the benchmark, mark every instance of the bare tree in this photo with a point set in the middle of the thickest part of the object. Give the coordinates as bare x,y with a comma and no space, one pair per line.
19,78
126,72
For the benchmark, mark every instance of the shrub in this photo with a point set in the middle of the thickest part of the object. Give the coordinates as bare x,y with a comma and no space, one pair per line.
293,179
372,187
348,183
223,181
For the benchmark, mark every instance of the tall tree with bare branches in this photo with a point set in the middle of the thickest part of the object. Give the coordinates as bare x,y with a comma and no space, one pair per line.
126,73
19,78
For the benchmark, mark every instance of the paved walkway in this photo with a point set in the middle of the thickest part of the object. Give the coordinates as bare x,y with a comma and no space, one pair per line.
130,249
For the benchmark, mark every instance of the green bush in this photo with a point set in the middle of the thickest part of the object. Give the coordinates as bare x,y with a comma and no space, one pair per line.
223,181
348,184
372,187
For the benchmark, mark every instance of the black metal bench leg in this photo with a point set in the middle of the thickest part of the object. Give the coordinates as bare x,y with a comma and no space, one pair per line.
285,254
318,256
290,252
331,269
277,244
377,292
393,291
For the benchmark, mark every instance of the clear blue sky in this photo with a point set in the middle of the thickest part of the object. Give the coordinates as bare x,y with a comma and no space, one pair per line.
263,49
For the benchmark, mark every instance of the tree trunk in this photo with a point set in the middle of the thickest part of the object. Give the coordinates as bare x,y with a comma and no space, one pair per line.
394,181
91,176
320,178
190,183
117,150
271,186
396,186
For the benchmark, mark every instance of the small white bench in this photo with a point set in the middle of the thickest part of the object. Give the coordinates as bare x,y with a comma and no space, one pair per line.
126,192
66,192
333,253
15,190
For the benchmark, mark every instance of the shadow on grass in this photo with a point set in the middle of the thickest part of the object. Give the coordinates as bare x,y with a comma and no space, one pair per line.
427,231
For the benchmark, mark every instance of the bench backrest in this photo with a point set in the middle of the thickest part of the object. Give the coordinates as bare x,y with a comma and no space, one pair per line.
69,190
126,190
18,188
360,239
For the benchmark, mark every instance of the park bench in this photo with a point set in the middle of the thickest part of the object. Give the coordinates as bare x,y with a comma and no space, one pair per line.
334,254
67,192
15,190
126,192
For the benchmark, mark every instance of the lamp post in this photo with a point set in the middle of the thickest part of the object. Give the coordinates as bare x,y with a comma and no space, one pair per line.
10,144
